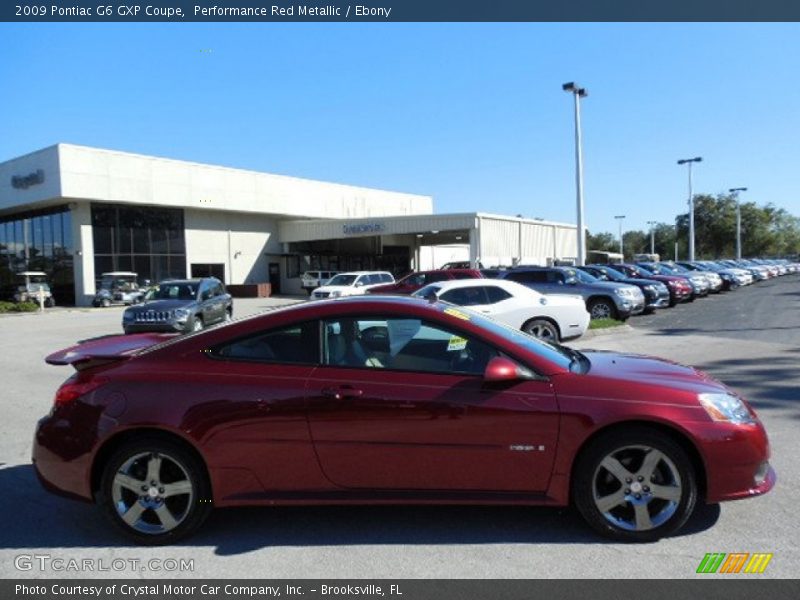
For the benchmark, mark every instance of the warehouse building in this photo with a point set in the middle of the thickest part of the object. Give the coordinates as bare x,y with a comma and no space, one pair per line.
76,212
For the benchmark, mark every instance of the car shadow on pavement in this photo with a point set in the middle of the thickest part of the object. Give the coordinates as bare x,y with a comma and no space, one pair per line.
43,520
771,383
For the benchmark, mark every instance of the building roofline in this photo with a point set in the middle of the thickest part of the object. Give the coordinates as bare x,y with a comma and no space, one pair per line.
95,149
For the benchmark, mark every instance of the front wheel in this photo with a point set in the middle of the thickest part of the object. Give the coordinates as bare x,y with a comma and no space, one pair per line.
635,486
156,491
105,302
197,324
602,308
542,329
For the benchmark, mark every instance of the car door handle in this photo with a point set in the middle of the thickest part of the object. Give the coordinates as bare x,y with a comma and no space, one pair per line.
345,391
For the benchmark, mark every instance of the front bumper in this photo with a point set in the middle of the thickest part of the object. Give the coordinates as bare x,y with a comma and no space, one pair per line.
155,327
736,460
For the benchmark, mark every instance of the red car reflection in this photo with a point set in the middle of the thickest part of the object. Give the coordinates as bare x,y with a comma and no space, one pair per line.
390,400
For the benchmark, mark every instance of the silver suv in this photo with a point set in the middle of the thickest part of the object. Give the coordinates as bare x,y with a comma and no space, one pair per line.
604,299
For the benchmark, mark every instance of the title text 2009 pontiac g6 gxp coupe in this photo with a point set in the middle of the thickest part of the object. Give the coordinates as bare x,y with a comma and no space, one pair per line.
390,400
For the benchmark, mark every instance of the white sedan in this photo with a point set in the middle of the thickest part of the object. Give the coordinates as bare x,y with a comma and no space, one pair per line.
547,317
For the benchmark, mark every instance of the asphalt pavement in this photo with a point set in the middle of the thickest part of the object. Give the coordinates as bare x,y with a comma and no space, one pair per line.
749,339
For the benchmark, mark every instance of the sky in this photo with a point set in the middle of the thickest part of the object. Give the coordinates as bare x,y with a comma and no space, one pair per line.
470,114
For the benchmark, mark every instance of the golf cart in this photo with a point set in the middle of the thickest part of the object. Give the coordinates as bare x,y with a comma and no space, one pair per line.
118,287
35,285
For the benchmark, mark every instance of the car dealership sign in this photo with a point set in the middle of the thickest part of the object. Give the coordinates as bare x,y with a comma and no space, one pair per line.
23,182
362,228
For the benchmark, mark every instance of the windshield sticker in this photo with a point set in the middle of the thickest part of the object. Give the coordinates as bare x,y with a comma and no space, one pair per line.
456,343
454,312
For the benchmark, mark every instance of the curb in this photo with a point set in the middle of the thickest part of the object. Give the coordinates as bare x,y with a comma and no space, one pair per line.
591,333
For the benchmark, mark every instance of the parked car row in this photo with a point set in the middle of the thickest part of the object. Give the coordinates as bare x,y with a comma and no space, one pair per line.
556,303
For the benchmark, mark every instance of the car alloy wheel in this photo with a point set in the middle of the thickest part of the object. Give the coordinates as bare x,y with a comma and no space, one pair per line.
602,309
155,491
106,302
197,324
542,329
637,486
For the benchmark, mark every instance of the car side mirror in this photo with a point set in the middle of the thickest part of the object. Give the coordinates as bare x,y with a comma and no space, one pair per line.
505,369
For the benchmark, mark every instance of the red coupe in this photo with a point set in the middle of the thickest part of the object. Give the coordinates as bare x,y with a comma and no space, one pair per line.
371,400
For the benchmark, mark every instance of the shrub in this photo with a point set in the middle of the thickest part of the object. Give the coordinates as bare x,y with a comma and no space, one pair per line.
8,307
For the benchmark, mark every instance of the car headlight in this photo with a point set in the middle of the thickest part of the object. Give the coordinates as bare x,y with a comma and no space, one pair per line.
726,407
624,292
335,294
128,316
181,314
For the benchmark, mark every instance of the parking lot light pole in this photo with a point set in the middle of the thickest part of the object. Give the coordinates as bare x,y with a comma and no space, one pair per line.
689,161
578,93
652,236
735,192
619,218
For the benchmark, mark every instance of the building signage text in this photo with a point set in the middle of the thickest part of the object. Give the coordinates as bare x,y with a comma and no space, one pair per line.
23,182
359,228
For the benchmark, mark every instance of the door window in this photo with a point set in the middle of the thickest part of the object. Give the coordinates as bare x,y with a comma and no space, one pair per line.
295,344
403,344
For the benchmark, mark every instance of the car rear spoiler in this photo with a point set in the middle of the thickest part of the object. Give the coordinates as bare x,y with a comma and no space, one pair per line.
105,349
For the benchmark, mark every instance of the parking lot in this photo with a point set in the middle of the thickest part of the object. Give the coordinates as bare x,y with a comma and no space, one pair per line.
750,339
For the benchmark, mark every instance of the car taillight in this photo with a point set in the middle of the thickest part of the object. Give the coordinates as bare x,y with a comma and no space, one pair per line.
73,388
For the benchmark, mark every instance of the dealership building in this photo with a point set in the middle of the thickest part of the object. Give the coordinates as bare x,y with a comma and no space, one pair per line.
76,212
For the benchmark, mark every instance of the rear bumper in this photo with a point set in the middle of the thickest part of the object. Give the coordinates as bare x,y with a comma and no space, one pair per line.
62,459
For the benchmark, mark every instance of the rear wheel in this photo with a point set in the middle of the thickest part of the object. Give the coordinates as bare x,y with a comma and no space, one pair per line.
105,302
156,491
542,329
635,486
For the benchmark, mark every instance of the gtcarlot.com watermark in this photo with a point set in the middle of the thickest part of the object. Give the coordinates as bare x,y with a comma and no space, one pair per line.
61,564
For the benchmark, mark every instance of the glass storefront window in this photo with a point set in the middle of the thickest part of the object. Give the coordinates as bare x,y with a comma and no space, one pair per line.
34,241
149,241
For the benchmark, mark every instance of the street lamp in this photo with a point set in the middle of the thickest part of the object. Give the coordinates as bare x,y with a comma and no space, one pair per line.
578,93
735,192
689,161
652,236
619,218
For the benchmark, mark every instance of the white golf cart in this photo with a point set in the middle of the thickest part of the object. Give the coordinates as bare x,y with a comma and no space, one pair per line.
35,286
118,287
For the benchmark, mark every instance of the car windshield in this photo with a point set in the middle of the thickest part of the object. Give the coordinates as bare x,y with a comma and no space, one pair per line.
343,279
174,291
566,358
581,276
426,291
613,274
640,271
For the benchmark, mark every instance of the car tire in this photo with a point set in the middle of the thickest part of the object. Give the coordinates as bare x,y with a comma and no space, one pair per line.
602,308
49,302
105,302
197,324
144,515
542,329
228,316
639,462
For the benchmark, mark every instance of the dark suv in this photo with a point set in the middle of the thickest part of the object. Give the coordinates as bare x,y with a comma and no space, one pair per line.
180,305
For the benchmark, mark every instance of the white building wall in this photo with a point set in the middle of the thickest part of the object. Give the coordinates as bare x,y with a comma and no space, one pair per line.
242,242
433,257
110,176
